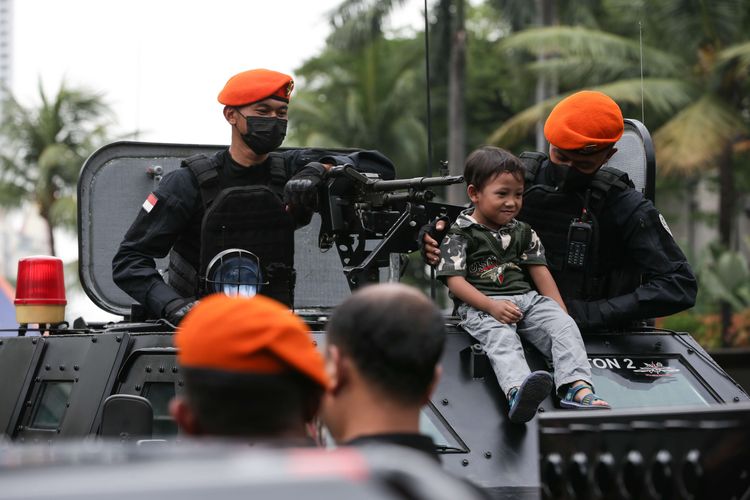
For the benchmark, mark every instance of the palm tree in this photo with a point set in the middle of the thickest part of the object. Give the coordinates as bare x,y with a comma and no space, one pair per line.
364,99
42,149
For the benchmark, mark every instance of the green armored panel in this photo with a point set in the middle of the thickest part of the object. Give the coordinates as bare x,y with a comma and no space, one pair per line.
71,380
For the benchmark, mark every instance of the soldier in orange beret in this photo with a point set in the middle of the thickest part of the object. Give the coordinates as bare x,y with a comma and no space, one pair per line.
250,370
633,269
244,202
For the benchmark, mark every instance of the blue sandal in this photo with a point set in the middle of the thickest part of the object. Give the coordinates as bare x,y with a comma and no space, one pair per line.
587,403
524,400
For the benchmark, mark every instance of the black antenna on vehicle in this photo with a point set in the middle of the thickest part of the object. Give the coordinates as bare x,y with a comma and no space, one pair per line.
427,77
433,288
640,43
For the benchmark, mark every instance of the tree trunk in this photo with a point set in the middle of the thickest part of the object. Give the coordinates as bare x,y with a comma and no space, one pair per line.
45,215
727,200
545,87
456,105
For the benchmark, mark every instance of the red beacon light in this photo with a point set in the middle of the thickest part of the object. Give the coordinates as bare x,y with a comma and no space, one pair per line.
40,291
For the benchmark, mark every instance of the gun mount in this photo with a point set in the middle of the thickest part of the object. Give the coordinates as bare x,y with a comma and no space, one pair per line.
369,209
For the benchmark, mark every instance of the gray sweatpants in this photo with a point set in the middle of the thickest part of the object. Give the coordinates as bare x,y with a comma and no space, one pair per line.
544,324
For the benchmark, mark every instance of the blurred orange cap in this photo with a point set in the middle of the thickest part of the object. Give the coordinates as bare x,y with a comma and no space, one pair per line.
247,335
585,122
255,85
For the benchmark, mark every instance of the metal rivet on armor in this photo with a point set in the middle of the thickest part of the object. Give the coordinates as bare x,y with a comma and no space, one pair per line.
28,403
67,405
19,429
412,223
315,343
58,431
75,379
736,399
690,350
118,339
540,410
445,402
37,380
62,368
465,462
161,369
179,383
47,367
93,339
137,387
148,369
76,367
33,341
174,369
487,454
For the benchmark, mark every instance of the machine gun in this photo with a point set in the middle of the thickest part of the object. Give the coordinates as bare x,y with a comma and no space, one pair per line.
359,207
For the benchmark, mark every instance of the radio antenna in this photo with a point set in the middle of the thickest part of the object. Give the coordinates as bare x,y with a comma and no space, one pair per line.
428,170
640,43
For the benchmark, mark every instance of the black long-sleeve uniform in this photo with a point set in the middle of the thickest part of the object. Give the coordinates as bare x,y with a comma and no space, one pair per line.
178,212
636,239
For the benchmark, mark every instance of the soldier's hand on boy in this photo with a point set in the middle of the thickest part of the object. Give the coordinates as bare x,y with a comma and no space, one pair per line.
505,311
429,245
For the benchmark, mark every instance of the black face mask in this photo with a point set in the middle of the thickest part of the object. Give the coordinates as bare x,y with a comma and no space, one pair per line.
571,179
264,134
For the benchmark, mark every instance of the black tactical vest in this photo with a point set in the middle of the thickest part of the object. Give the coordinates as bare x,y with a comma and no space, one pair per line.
250,218
550,213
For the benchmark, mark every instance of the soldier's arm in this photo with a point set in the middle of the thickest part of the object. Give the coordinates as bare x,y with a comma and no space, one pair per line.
668,283
150,237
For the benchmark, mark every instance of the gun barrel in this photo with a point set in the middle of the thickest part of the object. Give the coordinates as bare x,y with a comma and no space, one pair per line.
414,183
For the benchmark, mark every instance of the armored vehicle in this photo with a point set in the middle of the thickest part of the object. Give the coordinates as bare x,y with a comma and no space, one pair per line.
680,427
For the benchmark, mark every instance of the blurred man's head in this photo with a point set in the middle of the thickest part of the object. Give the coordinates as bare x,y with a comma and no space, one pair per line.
383,348
250,370
582,130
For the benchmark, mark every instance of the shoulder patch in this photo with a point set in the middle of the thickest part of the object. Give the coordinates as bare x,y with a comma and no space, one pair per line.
150,203
664,223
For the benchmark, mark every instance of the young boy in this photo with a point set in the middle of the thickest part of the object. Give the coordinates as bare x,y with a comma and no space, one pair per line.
487,258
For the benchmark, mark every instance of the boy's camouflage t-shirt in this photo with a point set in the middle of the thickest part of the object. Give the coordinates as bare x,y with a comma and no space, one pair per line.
490,260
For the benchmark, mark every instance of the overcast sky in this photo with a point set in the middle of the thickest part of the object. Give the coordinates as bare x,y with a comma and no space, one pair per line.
161,63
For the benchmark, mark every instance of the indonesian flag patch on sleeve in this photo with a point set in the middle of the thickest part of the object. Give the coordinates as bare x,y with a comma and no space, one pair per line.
150,202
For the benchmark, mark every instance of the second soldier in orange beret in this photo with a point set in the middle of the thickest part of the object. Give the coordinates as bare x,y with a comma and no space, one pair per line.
609,250
233,213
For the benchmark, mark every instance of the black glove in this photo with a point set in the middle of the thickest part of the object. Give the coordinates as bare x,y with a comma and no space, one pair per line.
301,191
175,310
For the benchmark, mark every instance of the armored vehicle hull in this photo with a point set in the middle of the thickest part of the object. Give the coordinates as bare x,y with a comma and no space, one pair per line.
680,426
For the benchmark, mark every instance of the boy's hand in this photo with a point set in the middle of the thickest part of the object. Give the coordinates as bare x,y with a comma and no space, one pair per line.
505,311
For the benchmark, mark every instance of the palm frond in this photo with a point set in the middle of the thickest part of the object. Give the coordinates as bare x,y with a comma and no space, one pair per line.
586,44
663,96
697,135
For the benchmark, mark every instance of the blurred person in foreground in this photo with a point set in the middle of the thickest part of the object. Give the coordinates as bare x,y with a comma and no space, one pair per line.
251,371
383,349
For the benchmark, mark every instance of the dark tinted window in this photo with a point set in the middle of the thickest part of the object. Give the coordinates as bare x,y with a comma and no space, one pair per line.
51,404
160,394
641,382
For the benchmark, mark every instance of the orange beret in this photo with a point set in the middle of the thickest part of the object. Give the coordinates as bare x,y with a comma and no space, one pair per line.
247,335
585,122
255,85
